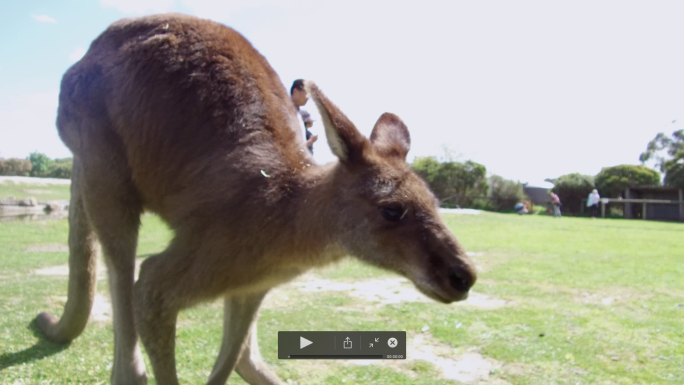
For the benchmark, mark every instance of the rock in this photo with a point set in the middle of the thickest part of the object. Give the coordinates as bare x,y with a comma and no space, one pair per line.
55,205
10,201
52,207
30,201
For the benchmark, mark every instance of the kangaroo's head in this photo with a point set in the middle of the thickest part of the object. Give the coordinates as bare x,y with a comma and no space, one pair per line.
388,214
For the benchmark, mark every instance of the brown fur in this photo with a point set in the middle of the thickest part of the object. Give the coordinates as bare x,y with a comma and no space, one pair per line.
183,117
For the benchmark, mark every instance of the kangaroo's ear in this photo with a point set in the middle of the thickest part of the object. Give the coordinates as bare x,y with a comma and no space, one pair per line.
345,141
390,137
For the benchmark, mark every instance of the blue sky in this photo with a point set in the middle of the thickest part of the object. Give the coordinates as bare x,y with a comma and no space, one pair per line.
530,89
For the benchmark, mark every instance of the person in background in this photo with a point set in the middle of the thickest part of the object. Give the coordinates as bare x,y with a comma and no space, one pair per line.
555,201
308,122
593,201
299,99
521,208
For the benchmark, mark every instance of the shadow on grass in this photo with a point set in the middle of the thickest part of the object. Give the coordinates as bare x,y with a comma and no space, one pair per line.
43,348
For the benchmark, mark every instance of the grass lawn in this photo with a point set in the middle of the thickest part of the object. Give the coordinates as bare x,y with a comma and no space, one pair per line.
42,192
577,301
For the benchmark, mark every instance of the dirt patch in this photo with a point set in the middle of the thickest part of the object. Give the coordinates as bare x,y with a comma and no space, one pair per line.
469,367
611,296
517,369
459,211
383,291
47,249
63,270
671,293
390,291
102,307
281,297
34,181
475,253
481,265
484,301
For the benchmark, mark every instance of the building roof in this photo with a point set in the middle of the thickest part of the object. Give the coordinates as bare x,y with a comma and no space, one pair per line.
655,188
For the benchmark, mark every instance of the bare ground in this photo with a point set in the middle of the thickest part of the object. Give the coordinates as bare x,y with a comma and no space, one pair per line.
468,367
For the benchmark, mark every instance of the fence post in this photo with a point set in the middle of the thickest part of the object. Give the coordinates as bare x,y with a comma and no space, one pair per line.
681,205
643,210
582,206
603,208
627,213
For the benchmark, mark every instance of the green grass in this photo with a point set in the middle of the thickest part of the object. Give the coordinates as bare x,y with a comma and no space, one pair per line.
40,192
555,273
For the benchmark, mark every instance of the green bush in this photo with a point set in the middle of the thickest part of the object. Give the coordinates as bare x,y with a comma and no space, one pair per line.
15,167
611,182
572,189
41,164
504,194
455,184
60,168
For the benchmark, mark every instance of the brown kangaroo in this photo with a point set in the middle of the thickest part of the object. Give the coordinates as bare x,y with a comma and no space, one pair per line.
184,118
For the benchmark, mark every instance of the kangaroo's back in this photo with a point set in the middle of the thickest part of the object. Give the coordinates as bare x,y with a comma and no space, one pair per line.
182,116
189,101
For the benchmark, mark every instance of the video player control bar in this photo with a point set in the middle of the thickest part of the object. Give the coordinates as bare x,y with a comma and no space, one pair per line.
336,345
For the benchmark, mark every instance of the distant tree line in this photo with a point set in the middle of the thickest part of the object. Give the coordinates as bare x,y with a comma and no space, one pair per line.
465,184
611,182
668,152
38,165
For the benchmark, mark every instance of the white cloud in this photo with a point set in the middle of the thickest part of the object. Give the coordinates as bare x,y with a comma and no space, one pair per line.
44,19
139,6
77,54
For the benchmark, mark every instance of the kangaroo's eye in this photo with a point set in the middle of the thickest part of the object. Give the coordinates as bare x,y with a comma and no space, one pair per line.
393,213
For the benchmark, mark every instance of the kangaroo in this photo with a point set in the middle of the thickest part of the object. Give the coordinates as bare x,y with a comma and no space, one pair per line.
184,118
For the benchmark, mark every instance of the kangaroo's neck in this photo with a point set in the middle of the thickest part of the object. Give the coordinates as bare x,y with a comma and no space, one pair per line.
312,227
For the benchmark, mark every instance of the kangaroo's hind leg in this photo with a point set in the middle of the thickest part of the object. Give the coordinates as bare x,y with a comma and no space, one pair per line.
114,207
251,366
239,315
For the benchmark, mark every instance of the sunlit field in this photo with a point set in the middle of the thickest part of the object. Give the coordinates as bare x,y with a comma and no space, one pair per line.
565,301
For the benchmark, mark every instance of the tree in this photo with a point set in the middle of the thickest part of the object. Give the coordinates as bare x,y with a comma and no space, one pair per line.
60,168
454,183
612,181
675,173
40,162
427,167
572,189
504,193
15,167
668,154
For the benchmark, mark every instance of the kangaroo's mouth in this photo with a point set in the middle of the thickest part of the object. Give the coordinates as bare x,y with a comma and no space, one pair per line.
443,296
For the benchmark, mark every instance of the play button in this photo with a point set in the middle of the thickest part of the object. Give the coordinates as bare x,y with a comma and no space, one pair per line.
303,342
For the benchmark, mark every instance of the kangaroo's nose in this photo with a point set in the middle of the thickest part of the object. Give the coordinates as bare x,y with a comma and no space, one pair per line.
461,279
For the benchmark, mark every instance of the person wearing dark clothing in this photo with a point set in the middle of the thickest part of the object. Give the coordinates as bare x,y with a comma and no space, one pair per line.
299,98
308,122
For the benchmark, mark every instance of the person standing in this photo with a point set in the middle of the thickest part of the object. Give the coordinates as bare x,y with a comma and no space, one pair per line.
308,122
593,201
299,99
555,201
